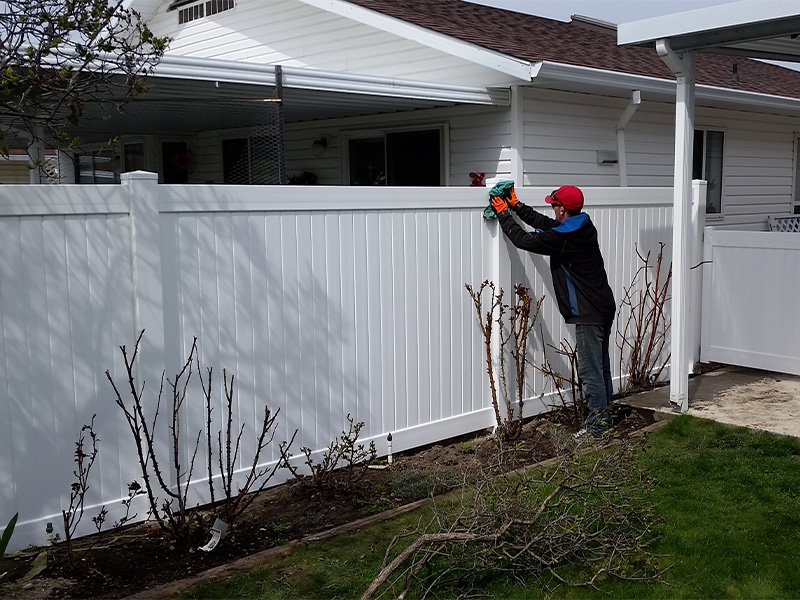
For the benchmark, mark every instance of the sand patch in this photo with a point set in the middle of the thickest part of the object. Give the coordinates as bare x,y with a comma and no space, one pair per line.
771,404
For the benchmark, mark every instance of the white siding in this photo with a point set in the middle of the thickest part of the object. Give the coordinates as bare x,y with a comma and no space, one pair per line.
294,34
563,132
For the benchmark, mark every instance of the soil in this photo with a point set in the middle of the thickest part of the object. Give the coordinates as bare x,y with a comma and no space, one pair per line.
122,563
768,404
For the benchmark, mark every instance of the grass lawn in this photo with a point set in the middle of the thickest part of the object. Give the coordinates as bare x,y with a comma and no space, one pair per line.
730,504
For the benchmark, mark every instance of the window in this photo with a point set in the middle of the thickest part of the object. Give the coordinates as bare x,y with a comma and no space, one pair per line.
134,156
400,158
176,162
707,165
99,166
252,160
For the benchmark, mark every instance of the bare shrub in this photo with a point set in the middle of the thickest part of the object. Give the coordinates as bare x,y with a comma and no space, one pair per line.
571,526
513,324
343,454
642,324
567,388
174,514
85,457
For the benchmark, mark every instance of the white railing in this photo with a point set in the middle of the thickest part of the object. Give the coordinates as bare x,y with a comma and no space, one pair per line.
323,301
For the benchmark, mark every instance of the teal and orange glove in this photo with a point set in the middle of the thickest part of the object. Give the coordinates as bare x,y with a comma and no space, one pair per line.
512,198
499,204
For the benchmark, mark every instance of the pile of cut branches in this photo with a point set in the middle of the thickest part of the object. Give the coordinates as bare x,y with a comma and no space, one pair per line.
571,526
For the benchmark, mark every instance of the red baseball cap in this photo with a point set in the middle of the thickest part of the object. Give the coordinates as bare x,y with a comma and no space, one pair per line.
568,196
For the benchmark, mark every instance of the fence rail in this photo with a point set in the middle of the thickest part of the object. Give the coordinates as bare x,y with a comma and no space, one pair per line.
322,301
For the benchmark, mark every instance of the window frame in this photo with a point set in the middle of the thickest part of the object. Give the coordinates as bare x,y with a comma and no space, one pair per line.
713,216
796,178
354,134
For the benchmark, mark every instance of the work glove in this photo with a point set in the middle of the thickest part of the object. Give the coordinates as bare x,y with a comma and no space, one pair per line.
512,198
499,204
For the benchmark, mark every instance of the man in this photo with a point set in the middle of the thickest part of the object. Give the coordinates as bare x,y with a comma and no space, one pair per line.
581,287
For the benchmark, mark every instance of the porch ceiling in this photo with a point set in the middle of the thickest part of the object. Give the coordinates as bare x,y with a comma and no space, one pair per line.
766,29
174,106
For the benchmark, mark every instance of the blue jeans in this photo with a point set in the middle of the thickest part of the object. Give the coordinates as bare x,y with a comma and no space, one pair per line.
594,370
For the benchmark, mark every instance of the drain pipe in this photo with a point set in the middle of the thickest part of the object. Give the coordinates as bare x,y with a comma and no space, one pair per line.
636,99
683,68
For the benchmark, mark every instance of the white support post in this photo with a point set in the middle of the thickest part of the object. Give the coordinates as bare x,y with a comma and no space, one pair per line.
695,306
681,234
148,302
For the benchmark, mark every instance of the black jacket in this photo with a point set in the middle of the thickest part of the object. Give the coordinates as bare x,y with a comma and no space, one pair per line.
579,275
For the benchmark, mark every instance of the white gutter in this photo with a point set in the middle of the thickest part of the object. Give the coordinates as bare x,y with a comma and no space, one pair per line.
206,69
497,61
546,73
622,157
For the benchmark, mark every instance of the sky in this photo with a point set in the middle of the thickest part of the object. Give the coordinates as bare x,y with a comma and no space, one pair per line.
613,11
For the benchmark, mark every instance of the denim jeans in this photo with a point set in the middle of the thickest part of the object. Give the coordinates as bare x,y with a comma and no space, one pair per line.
594,370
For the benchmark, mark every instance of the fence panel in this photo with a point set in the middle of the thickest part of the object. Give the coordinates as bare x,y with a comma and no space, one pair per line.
65,304
750,283
322,302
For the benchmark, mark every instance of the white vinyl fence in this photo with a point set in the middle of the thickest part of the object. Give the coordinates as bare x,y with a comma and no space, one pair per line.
322,301
750,292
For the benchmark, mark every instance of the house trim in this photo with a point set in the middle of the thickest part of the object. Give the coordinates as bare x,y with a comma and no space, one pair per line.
204,69
545,73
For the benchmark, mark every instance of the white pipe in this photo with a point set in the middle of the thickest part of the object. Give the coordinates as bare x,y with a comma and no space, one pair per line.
636,100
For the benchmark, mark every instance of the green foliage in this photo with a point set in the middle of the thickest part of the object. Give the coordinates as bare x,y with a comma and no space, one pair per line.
61,56
7,533
413,484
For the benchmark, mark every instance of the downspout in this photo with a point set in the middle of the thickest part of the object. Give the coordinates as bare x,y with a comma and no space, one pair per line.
683,69
636,99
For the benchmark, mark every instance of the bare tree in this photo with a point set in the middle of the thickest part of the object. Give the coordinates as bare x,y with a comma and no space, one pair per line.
58,56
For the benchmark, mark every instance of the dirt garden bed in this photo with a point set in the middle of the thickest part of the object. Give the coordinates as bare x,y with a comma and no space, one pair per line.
121,563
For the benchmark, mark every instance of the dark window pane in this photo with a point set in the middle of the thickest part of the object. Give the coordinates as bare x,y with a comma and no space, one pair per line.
367,162
175,162
235,162
413,158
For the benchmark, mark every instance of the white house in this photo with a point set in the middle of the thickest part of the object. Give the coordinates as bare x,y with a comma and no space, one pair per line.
425,93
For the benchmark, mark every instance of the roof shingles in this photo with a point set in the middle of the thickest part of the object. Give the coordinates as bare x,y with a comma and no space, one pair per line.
536,39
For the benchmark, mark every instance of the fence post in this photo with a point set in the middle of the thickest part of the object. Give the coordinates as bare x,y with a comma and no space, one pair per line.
694,307
148,302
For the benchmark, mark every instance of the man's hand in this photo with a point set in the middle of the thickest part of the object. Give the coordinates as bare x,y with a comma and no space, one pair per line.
499,204
512,199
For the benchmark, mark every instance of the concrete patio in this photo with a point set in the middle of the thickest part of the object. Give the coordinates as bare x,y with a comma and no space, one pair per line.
758,400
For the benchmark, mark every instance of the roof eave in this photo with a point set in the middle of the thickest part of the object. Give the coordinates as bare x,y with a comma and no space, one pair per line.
548,72
204,69
508,65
